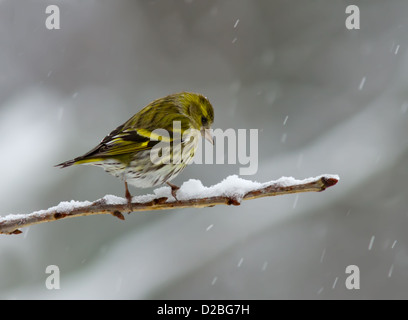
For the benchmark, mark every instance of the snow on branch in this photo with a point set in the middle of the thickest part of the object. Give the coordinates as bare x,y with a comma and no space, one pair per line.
192,194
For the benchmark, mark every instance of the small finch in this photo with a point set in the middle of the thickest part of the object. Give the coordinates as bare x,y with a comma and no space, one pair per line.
154,145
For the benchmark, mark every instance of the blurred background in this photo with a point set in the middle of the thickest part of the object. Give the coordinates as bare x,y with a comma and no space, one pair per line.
325,99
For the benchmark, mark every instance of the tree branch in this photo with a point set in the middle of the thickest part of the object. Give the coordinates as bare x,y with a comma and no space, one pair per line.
192,194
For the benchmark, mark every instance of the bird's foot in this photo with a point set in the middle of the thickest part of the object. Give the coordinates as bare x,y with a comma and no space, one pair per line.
174,189
129,198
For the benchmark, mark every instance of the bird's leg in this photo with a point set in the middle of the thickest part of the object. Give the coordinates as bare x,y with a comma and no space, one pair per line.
174,189
128,197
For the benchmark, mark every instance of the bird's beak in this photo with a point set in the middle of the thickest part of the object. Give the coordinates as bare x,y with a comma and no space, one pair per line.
207,134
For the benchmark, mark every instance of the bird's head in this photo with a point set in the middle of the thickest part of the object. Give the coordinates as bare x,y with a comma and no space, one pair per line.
201,112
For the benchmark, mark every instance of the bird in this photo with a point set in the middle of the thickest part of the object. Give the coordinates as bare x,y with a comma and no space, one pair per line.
155,144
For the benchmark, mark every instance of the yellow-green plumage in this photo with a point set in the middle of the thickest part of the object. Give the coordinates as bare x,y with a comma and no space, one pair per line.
125,152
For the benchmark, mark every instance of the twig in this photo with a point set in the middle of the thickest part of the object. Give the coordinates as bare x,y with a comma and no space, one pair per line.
229,192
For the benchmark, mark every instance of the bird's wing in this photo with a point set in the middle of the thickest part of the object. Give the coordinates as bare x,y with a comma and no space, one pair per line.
134,136
128,139
120,142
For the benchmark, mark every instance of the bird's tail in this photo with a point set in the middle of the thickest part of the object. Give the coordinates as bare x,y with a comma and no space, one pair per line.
67,163
79,160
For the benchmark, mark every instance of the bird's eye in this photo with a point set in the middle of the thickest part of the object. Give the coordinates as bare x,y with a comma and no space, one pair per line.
204,121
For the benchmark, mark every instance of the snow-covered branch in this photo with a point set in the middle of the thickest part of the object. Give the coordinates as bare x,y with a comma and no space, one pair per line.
192,194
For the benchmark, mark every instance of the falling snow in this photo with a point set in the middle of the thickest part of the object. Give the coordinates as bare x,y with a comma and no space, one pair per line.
371,243
323,254
240,262
362,83
26,232
335,282
296,201
390,271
